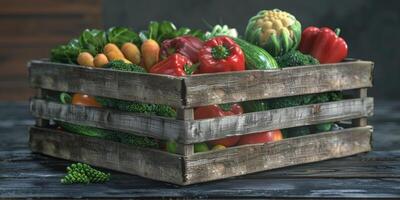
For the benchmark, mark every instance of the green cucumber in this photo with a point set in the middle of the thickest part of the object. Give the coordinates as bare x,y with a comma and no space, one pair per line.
256,57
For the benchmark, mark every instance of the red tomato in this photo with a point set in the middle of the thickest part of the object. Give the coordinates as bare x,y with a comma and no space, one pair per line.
206,112
261,137
227,142
236,109
84,100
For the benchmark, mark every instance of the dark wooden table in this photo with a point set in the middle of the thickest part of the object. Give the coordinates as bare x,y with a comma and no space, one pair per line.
371,175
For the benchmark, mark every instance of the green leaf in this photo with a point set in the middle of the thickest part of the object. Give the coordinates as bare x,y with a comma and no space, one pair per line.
120,35
182,31
153,30
167,30
93,40
144,35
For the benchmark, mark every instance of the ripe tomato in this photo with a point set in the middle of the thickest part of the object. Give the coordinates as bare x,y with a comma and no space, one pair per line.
84,100
261,137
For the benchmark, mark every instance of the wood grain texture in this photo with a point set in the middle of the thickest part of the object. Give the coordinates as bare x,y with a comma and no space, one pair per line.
193,131
361,93
208,129
220,88
149,88
186,115
200,167
149,163
41,93
246,159
140,124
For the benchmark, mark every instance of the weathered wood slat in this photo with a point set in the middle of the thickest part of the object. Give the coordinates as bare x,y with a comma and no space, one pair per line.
149,88
361,93
241,160
208,129
249,85
152,126
20,163
41,93
153,164
130,187
192,131
204,89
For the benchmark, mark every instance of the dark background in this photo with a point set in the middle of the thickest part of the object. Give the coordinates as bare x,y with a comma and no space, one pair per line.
30,28
370,27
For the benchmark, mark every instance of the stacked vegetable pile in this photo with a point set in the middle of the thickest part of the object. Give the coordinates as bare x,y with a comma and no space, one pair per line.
273,39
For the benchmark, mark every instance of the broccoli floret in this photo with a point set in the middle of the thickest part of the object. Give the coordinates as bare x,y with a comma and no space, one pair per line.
121,65
136,107
295,58
84,174
284,102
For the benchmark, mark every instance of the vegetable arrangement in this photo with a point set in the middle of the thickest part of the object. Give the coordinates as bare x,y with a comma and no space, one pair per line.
84,174
273,39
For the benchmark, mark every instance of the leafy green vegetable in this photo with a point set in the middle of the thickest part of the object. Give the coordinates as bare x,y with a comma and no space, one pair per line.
66,53
160,31
136,107
295,58
219,30
284,102
120,35
92,41
121,65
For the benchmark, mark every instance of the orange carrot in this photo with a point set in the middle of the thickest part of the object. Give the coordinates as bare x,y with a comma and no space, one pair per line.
85,59
150,53
100,60
131,52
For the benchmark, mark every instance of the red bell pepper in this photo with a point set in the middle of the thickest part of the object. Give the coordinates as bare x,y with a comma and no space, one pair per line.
221,54
174,65
188,46
323,44
212,111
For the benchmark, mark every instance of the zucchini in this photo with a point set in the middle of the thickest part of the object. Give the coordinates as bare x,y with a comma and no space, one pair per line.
256,57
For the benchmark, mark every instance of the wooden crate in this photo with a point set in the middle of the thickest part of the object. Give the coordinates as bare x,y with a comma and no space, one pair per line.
186,93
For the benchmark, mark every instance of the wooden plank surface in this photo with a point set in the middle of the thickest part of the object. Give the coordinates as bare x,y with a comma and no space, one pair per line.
249,85
27,175
153,164
253,158
140,124
208,129
193,131
376,174
158,89
360,93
